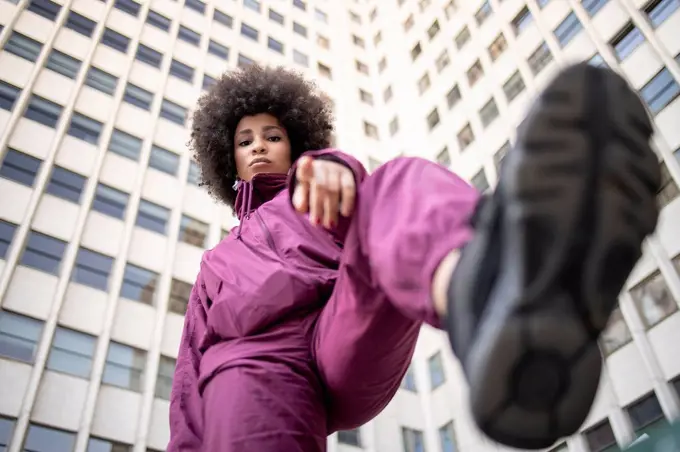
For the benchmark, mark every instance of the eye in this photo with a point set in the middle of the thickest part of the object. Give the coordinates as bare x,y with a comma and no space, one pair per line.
275,139
244,143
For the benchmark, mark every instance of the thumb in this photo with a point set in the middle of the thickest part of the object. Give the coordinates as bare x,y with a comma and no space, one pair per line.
305,170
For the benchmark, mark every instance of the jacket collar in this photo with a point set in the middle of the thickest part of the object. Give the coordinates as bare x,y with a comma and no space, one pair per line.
260,189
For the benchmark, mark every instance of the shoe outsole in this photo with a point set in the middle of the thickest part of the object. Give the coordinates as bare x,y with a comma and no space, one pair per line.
575,201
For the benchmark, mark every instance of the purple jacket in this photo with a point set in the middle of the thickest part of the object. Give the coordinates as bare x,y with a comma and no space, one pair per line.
257,296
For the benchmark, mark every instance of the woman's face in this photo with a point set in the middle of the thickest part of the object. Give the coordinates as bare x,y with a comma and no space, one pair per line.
261,146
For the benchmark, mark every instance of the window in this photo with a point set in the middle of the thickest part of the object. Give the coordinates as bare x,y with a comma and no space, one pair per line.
194,173
252,4
500,154
659,10
542,3
646,415
320,16
300,58
188,35
208,81
373,164
102,445
20,167
521,21
479,181
43,253
324,70
413,440
71,352
450,9
462,38
513,86
600,437
366,97
424,83
249,32
660,91
46,439
6,236
409,381
92,269
65,184
63,64
164,160
354,17
80,24
465,137
126,145
540,58
139,284
443,60
115,40
593,6
43,111
497,47
569,28
361,67
351,437
562,447
416,51
447,438
444,158
668,190
19,336
124,366
101,81
109,201
626,41
182,71
370,130
433,119
84,128
323,42
433,30
423,4
408,24
23,46
300,5
222,18
300,29
173,112
180,292
166,370
653,300
275,17
196,5
453,96
483,13
6,428
475,73
158,20
244,61
152,217
387,94
359,42
488,112
436,368
138,97
218,50
149,56
394,126
128,6
275,45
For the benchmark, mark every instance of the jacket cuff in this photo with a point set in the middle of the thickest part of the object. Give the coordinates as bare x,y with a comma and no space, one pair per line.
333,155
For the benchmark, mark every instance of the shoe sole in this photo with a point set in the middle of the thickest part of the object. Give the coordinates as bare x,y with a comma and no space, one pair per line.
576,198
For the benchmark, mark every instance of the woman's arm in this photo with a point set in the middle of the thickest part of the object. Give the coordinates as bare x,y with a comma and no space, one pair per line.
186,412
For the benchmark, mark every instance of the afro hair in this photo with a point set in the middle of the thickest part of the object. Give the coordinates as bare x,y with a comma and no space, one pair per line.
286,95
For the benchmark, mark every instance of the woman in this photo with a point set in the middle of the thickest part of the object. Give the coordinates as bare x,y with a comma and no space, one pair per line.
304,319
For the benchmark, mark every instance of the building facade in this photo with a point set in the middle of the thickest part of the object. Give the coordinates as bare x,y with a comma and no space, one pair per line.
103,224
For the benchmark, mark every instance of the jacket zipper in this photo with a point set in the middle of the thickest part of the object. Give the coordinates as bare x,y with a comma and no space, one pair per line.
265,230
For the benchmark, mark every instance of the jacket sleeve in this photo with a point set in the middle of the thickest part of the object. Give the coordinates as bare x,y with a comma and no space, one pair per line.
186,412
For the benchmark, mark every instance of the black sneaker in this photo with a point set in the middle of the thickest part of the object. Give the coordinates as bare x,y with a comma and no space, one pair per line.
553,248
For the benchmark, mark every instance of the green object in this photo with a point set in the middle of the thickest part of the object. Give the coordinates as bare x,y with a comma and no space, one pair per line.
664,439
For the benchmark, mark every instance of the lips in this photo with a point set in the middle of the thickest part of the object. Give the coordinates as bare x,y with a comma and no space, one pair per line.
259,160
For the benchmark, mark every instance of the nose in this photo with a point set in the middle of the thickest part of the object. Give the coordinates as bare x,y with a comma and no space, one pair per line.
258,146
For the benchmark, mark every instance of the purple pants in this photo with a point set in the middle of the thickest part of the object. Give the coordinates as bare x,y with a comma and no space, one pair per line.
410,213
